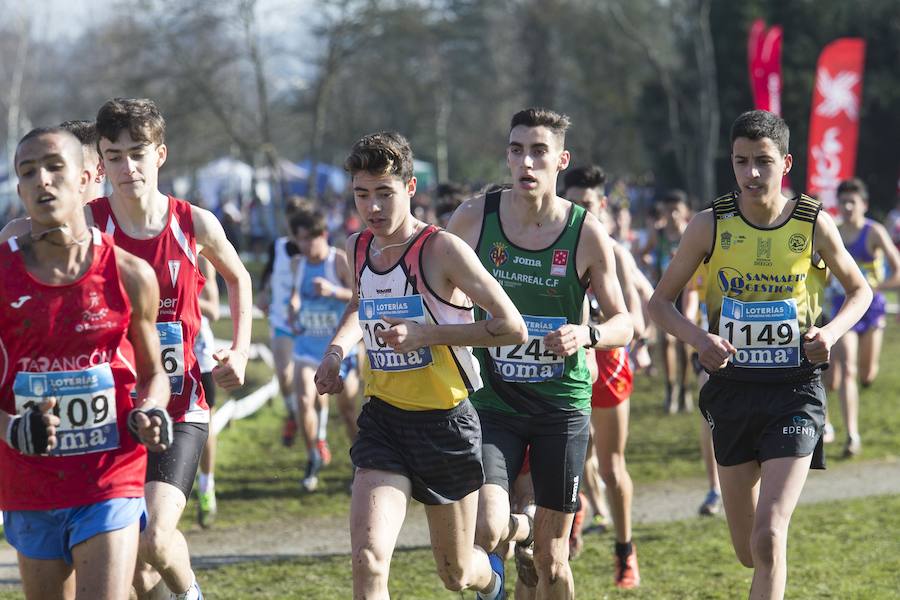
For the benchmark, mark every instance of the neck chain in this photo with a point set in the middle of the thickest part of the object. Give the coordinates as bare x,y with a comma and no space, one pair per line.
376,251
41,237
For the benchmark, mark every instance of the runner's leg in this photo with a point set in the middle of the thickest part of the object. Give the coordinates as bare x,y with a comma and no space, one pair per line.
105,564
611,428
551,554
377,509
740,491
870,355
782,480
849,389
460,564
46,579
163,551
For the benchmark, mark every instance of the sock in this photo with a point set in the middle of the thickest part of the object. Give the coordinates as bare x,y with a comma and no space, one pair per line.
290,404
493,589
189,594
323,421
207,482
624,550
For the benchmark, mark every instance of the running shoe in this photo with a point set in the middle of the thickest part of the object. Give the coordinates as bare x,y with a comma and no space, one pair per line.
576,542
288,432
324,452
711,504
627,575
828,435
496,567
853,447
311,475
599,524
206,508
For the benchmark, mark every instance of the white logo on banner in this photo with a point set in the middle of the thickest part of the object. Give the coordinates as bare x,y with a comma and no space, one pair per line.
827,156
837,94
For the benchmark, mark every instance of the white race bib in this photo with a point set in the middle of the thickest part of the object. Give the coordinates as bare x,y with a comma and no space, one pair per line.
85,405
766,334
381,356
318,323
530,362
171,343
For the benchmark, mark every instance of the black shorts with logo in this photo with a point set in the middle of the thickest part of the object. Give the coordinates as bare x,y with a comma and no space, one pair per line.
558,444
178,464
764,420
439,451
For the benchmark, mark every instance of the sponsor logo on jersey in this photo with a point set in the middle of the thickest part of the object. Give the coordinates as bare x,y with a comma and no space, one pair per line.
18,303
528,262
797,243
498,254
168,305
77,362
734,283
559,263
93,317
174,269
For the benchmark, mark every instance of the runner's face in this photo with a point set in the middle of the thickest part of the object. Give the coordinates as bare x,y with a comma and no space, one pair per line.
590,199
309,244
50,182
535,157
758,167
382,201
852,206
131,166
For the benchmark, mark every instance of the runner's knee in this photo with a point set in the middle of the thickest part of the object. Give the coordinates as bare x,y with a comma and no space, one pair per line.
370,563
766,543
551,561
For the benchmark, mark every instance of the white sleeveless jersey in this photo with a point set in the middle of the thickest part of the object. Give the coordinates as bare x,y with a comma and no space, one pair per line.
280,284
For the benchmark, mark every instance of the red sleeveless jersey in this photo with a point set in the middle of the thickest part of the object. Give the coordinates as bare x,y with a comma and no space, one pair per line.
173,256
68,341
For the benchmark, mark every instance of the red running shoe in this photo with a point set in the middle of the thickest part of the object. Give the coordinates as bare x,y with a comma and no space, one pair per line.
627,574
324,452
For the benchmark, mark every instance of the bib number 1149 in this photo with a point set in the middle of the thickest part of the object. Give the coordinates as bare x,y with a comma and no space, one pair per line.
765,334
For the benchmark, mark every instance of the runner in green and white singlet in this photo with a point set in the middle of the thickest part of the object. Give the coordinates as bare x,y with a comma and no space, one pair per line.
545,252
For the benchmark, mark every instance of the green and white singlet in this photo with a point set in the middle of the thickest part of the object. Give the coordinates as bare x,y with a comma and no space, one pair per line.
527,379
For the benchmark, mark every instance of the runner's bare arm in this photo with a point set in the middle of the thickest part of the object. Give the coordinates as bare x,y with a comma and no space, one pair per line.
883,242
15,228
330,290
466,220
209,295
139,281
595,259
347,335
693,249
212,243
450,258
626,271
857,293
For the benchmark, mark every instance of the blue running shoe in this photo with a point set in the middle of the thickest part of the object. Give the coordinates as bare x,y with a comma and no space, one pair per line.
496,567
311,476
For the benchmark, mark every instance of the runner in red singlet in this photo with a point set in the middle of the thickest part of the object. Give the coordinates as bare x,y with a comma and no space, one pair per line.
80,370
169,233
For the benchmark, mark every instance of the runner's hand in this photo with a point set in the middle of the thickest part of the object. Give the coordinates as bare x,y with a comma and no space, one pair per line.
817,345
328,375
34,432
714,352
566,340
404,335
229,373
151,427
322,287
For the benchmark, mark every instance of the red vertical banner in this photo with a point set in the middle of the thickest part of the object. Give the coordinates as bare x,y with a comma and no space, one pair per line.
834,119
764,57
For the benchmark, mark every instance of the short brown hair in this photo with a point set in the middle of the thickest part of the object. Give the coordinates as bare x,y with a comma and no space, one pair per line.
854,185
140,116
383,153
542,117
312,220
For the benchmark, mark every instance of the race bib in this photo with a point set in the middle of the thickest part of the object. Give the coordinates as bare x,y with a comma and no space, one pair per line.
530,362
765,334
318,323
85,405
381,356
171,342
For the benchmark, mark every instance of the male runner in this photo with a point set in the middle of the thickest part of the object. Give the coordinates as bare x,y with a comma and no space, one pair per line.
77,336
322,287
610,405
274,299
869,244
418,433
86,132
169,233
764,401
545,252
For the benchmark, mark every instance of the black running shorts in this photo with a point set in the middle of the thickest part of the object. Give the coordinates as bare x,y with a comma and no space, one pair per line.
558,443
178,465
439,451
766,420
209,388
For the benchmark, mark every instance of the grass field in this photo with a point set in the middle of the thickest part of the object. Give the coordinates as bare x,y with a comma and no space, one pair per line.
841,551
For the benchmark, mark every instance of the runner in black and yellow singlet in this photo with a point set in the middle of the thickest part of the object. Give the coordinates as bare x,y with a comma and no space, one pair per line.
544,251
766,256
